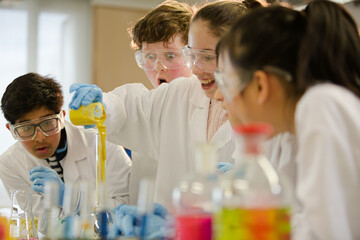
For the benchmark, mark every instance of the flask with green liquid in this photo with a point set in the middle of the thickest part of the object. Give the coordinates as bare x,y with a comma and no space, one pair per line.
253,202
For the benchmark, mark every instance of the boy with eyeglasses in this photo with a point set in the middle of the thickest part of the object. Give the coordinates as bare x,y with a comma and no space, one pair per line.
158,39
51,149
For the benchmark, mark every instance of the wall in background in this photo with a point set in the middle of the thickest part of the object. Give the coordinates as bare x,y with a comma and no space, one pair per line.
48,37
113,59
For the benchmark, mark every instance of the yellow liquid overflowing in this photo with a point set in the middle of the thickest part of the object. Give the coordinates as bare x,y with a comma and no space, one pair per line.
94,114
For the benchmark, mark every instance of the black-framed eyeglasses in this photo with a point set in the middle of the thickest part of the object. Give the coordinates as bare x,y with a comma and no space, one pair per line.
49,125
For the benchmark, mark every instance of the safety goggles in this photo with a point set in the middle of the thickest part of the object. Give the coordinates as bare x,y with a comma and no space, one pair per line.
229,84
233,83
205,60
49,125
170,59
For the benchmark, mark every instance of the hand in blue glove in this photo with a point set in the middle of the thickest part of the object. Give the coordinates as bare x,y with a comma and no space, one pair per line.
128,222
84,95
40,175
224,167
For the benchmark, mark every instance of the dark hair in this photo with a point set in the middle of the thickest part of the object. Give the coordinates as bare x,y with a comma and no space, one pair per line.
162,23
320,44
29,92
221,15
330,50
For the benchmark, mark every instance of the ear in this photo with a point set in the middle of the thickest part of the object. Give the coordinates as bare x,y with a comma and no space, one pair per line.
262,81
62,118
12,133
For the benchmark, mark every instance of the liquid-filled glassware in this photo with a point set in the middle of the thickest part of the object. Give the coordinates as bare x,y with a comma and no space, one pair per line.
253,201
23,224
192,199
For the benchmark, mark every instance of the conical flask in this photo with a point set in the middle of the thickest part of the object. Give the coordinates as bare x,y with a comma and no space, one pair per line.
23,225
192,197
252,202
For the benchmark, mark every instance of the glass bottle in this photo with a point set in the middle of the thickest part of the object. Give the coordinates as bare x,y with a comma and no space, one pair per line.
23,225
252,202
192,197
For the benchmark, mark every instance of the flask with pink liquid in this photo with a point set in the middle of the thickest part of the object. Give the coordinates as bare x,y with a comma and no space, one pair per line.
192,197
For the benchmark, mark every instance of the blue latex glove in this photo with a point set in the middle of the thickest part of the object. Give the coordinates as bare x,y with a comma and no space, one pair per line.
40,175
224,167
84,95
128,222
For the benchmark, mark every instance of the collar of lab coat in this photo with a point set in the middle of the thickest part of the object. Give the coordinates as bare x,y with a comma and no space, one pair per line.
197,126
198,97
76,152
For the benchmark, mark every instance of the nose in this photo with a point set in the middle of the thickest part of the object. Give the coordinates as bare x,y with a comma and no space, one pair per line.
218,95
39,135
196,69
160,66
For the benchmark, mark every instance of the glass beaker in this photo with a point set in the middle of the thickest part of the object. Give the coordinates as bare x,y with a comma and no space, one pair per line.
88,115
23,224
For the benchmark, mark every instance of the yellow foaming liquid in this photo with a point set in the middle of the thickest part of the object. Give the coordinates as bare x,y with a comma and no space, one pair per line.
94,114
253,224
91,114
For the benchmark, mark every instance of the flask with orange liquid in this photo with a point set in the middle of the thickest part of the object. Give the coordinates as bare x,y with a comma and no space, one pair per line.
4,228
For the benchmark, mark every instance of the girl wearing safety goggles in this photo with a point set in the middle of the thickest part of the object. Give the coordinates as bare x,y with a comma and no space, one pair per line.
300,72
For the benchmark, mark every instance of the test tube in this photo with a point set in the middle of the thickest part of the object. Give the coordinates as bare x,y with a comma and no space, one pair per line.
86,211
145,203
52,211
71,205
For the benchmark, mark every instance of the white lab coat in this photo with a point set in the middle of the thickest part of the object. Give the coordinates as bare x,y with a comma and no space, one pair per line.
79,164
328,164
143,167
281,151
164,123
